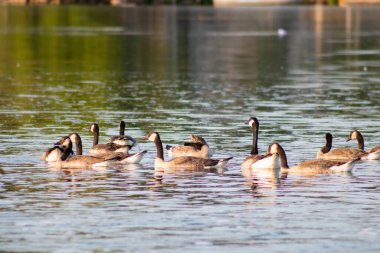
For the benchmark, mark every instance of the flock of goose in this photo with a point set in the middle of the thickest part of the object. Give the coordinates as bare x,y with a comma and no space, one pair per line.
196,154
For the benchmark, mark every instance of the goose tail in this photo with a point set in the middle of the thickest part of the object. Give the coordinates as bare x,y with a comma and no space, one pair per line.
372,156
345,167
135,158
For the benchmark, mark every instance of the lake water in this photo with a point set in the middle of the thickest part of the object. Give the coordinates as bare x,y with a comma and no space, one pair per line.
180,71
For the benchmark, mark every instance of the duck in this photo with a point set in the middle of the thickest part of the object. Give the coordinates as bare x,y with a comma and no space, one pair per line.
122,139
81,161
277,153
374,152
342,154
198,147
254,155
108,148
54,153
183,162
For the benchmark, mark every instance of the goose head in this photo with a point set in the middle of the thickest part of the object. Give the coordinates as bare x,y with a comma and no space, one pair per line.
252,122
153,136
356,135
198,139
94,128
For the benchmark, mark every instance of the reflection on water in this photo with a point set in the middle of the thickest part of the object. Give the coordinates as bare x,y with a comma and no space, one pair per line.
181,71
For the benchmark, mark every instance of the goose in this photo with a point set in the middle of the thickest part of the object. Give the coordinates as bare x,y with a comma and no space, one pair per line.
374,152
105,149
81,161
254,155
123,158
276,151
122,139
198,147
54,153
342,154
183,162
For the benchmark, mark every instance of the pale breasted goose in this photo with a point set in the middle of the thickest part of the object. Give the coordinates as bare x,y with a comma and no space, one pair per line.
309,166
122,139
374,153
122,157
183,162
54,153
342,154
254,155
105,149
81,161
198,147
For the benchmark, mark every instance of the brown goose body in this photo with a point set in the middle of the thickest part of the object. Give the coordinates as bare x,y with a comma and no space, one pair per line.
197,148
373,153
315,166
81,161
341,154
105,149
183,162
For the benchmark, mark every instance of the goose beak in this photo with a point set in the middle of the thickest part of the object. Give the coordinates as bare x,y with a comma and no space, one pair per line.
348,139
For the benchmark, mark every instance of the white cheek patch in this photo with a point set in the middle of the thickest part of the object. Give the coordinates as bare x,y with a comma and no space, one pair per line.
152,137
273,149
251,122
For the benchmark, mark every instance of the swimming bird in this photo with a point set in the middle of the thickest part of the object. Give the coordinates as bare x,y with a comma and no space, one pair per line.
122,139
374,152
254,155
183,162
198,147
342,154
105,149
308,166
54,153
81,161
122,157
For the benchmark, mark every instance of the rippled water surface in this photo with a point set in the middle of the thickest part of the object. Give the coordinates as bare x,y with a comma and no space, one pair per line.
180,71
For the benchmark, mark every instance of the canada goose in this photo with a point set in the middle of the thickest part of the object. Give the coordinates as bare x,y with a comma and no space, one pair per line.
183,162
122,158
254,155
80,161
105,149
342,154
309,166
122,139
54,153
197,148
374,152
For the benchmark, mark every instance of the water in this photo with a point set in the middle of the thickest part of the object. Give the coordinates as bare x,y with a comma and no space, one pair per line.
180,71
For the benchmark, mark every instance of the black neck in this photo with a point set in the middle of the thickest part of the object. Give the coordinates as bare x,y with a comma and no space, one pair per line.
255,132
78,143
360,141
160,149
284,160
327,147
96,136
122,128
67,151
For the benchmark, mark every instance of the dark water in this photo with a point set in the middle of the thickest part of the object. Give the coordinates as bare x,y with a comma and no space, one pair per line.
180,71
